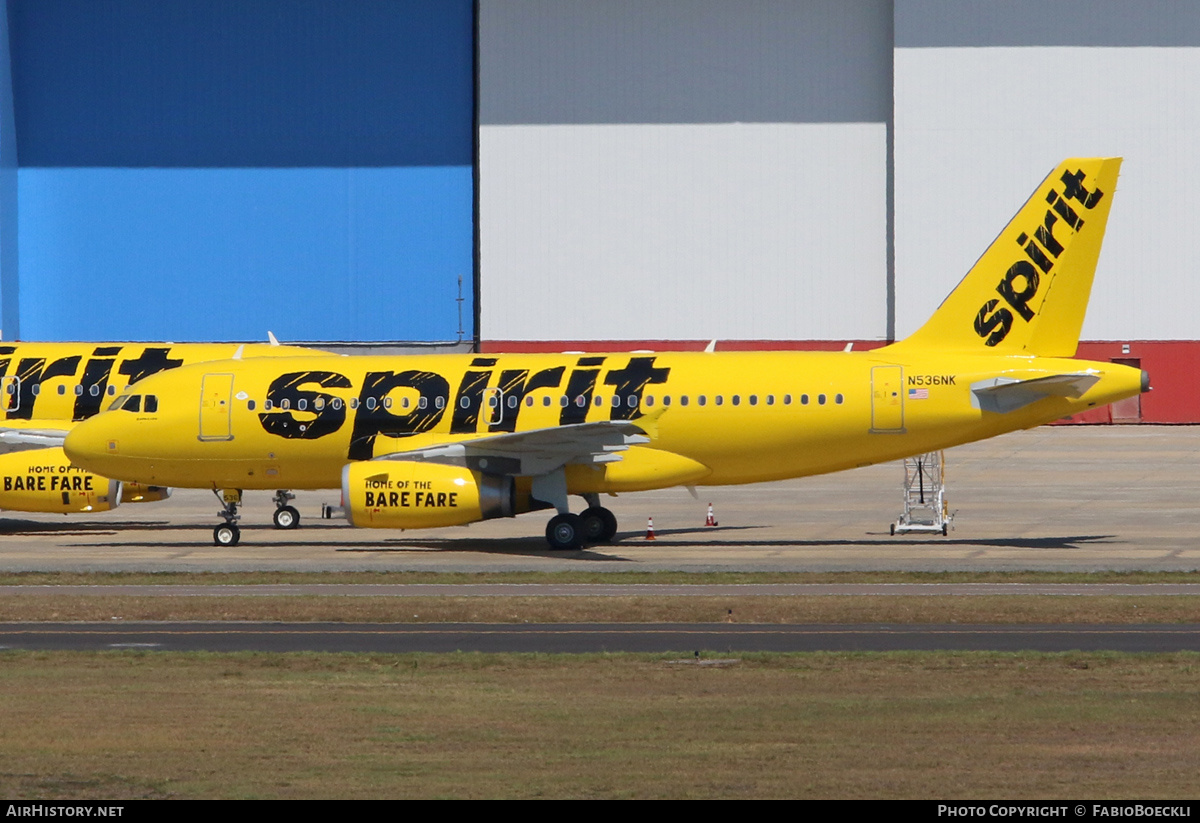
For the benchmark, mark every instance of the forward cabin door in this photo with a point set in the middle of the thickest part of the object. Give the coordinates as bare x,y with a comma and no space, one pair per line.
887,399
216,397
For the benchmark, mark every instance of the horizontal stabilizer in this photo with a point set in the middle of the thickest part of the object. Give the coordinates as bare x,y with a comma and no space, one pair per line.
1005,394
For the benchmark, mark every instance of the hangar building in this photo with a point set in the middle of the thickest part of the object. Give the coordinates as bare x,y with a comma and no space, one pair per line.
584,174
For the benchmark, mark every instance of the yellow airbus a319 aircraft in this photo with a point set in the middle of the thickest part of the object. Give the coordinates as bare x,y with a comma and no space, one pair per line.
46,388
442,440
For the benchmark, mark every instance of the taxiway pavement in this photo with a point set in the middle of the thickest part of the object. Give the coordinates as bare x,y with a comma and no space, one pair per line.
1066,498
564,638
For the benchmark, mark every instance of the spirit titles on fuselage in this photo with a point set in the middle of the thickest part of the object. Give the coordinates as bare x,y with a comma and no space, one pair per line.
373,416
28,373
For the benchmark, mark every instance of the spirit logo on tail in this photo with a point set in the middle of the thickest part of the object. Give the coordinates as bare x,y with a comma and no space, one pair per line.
1020,283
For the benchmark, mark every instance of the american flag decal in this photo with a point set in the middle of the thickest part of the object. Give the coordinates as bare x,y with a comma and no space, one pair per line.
918,394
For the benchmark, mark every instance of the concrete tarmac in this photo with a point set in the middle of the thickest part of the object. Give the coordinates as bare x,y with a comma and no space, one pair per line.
1051,499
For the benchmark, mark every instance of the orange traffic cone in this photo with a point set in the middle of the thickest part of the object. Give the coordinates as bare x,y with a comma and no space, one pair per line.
650,528
711,520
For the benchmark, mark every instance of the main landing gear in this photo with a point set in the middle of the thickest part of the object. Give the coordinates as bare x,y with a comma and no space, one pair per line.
285,517
566,531
228,534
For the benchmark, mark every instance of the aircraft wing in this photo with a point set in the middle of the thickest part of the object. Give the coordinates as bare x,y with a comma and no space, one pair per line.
24,435
534,452
1006,394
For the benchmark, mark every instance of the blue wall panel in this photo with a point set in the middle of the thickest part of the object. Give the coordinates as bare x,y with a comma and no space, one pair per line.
226,254
211,169
9,305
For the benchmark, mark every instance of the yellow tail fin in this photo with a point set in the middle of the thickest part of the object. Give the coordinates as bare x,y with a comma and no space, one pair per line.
1029,291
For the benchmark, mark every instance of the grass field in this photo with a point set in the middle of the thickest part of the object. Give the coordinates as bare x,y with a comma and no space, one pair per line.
126,725
631,609
147,725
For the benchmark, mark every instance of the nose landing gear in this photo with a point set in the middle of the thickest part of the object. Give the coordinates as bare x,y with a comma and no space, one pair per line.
228,534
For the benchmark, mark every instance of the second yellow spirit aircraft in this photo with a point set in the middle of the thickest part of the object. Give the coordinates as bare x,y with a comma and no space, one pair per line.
46,388
441,440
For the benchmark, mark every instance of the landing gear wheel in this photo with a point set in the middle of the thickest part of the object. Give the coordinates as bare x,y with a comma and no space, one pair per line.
286,517
227,534
599,525
564,532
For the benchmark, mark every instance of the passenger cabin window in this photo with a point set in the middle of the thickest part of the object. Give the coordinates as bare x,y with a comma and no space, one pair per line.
62,389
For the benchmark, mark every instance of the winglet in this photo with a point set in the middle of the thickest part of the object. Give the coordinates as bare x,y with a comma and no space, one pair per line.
237,355
271,338
1029,291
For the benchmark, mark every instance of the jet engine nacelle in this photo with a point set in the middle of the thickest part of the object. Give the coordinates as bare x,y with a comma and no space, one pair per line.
139,493
43,480
403,494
